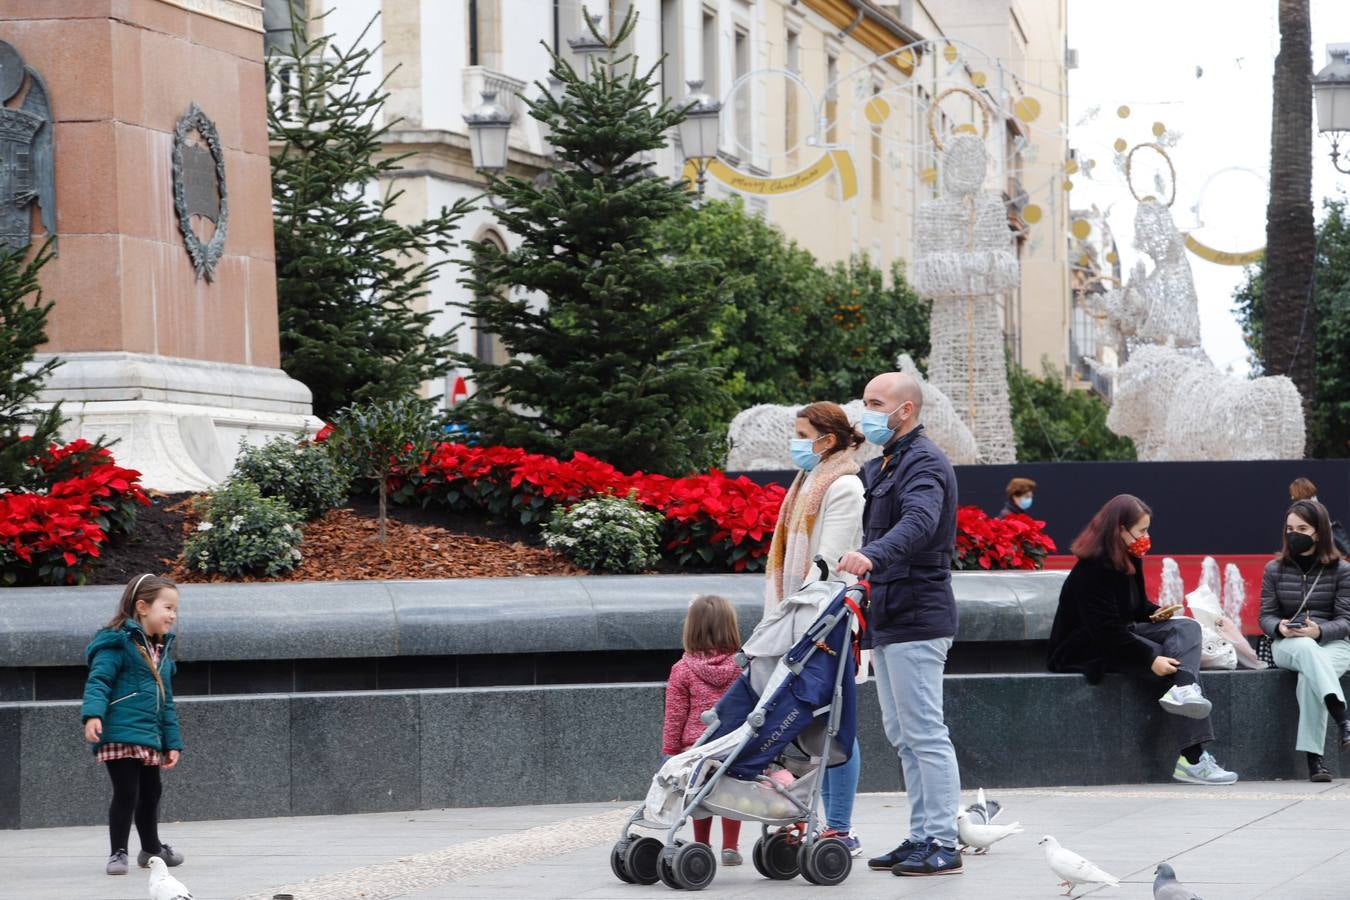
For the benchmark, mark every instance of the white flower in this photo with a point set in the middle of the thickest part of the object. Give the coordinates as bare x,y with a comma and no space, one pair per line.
204,526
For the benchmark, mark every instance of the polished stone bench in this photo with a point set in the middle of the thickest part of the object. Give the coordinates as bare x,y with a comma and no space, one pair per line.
346,752
373,635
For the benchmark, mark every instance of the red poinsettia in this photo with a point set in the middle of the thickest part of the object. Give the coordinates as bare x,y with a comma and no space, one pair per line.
1012,541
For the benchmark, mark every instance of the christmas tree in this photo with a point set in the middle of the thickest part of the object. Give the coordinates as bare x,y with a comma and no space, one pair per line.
23,328
349,277
612,362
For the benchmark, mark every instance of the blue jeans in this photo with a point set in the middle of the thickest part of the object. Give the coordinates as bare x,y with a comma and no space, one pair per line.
838,790
909,689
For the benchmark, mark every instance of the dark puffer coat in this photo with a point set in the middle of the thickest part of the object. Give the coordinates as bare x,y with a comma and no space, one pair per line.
1282,589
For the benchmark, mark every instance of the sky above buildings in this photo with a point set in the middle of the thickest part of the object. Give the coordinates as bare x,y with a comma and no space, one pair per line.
1201,68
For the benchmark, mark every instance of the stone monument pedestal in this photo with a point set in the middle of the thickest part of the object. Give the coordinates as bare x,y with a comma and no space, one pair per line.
176,365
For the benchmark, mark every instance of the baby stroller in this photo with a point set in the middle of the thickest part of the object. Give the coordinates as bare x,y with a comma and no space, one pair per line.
763,757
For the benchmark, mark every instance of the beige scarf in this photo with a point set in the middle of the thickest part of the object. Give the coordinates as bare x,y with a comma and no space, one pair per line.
789,554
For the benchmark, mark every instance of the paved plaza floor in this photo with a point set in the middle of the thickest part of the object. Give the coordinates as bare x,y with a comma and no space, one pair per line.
1261,839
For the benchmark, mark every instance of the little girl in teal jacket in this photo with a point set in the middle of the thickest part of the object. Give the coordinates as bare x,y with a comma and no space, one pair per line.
129,715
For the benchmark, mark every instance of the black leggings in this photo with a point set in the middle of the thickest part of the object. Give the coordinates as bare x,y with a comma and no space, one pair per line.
136,790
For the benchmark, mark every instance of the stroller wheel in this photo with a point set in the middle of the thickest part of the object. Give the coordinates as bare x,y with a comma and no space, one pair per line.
616,860
826,862
694,865
779,856
665,871
757,857
640,860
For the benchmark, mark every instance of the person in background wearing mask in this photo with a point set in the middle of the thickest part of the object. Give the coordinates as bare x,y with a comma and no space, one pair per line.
909,532
1105,622
1020,491
821,514
1304,489
1309,583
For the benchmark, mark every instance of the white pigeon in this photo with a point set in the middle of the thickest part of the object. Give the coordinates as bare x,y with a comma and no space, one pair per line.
982,810
1072,869
164,886
980,835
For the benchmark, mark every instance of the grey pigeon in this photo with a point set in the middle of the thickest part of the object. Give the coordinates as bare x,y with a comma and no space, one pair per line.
1166,886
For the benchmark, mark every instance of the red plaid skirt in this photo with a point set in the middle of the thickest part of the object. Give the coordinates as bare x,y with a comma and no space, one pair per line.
147,755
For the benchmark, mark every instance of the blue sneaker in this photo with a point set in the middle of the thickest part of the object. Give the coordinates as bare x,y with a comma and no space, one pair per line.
936,860
848,837
896,856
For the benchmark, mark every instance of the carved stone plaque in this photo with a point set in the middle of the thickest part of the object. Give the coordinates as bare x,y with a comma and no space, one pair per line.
27,157
199,194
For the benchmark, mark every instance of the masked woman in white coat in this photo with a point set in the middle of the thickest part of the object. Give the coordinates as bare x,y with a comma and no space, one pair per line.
821,515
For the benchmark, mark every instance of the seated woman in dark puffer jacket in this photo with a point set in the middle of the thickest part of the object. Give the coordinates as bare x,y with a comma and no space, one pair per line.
1310,579
1105,623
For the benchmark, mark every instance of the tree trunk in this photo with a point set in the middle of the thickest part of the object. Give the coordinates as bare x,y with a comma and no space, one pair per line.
382,492
1289,320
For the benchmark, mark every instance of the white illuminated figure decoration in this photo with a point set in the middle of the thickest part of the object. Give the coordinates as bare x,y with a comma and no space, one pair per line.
1158,307
1169,397
1176,405
964,258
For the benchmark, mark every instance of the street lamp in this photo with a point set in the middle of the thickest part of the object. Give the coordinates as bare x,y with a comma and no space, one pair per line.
699,130
1331,89
586,45
489,131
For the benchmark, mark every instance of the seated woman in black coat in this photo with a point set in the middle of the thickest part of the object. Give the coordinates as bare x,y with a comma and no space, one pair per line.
1105,623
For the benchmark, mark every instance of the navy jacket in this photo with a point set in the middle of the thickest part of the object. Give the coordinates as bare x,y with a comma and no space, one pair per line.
909,534
122,691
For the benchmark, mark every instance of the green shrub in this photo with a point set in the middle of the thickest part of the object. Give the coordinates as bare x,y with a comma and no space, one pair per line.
305,475
606,534
243,533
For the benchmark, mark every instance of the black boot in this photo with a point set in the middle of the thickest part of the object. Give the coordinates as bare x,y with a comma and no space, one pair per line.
1317,770
1345,734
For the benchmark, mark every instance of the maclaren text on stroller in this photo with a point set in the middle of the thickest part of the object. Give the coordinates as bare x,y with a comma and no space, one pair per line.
762,758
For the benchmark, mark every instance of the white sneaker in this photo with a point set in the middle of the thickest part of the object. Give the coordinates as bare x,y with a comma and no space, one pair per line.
1185,700
1206,771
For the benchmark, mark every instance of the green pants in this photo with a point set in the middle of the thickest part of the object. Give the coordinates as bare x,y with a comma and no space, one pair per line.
1319,668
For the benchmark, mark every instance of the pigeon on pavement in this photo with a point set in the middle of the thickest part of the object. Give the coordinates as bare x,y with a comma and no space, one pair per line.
164,886
981,836
1072,869
982,810
1166,886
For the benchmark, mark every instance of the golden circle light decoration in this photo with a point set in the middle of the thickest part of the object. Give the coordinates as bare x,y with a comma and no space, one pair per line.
1068,185
877,111
1123,111
1071,167
929,175
1159,129
1028,109
1120,145
1031,213
937,102
1113,257
979,79
1081,229
950,53
1129,170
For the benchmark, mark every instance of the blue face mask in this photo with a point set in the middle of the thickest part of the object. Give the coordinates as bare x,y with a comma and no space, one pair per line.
803,457
874,427
1024,502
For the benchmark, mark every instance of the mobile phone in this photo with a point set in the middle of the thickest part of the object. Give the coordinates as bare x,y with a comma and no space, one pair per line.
1166,612
1298,621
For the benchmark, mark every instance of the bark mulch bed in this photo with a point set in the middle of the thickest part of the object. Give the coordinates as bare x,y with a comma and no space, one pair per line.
343,545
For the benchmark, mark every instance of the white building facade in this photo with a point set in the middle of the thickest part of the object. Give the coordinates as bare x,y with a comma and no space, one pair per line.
796,77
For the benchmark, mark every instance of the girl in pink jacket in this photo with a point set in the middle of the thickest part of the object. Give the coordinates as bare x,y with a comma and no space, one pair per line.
697,682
